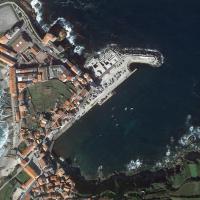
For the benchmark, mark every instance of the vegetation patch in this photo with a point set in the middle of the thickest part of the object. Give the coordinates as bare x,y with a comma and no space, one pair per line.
108,194
190,170
23,177
193,170
45,95
7,192
189,189
22,147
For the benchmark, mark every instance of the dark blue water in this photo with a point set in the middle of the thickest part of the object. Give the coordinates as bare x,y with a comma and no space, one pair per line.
162,99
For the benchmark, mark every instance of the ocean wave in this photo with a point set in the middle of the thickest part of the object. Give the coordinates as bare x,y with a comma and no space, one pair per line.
71,36
191,135
134,164
168,153
4,128
4,132
37,6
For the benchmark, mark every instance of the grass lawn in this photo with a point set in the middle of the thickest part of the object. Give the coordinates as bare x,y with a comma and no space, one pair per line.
23,177
190,170
191,188
7,192
46,94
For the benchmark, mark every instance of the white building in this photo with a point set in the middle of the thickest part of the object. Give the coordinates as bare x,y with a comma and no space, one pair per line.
103,63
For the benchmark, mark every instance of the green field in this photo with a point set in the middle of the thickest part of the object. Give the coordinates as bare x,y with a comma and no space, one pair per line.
23,177
45,95
191,188
190,170
7,192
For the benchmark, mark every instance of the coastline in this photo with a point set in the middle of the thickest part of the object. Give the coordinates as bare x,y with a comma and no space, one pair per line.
5,120
8,160
117,181
153,58
141,178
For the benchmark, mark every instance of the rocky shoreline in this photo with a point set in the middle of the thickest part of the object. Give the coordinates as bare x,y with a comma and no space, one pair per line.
119,183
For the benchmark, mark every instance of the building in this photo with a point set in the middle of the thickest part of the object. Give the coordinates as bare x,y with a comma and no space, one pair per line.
17,117
21,43
4,49
103,63
35,53
4,40
29,170
49,38
27,70
12,81
43,163
6,59
27,151
73,68
88,77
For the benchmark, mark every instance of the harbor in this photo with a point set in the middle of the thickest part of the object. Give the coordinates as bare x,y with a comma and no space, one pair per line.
84,123
48,93
111,78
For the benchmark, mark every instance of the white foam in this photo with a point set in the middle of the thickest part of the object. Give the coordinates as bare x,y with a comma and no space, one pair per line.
184,140
79,50
71,36
191,128
192,131
4,128
134,164
37,6
168,153
158,164
188,119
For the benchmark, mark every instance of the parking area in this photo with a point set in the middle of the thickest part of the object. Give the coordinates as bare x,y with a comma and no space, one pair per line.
7,18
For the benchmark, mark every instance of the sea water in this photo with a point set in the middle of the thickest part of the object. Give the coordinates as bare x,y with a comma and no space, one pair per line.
136,125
